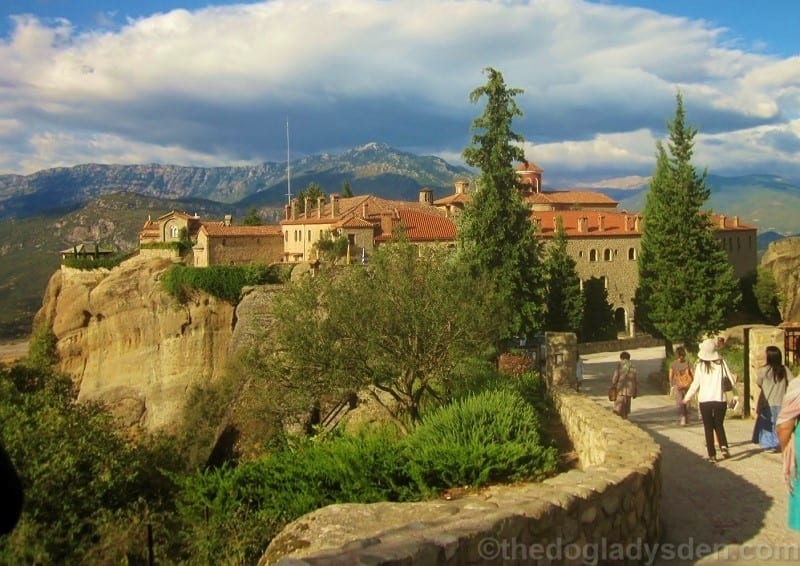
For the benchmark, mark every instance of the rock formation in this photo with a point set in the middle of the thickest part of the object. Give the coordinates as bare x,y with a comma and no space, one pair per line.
783,259
129,344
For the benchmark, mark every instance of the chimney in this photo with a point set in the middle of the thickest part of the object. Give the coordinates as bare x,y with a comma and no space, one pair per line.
286,211
601,225
306,205
722,221
426,196
320,204
294,209
462,187
228,220
736,221
364,209
582,224
387,222
334,206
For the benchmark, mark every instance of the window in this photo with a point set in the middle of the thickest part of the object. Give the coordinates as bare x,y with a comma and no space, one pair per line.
607,255
309,235
351,239
173,232
738,243
605,281
592,255
286,236
632,253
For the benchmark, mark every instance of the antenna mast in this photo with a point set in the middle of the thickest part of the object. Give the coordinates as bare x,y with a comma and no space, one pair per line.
288,166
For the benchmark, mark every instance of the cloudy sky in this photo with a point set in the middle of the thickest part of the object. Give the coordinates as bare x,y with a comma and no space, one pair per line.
205,82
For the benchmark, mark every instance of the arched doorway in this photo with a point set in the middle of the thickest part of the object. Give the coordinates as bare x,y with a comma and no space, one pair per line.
621,320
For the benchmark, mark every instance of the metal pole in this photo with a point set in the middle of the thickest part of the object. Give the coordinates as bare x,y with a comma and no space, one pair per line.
746,373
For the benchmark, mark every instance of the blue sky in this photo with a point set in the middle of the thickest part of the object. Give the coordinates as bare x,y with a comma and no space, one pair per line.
212,83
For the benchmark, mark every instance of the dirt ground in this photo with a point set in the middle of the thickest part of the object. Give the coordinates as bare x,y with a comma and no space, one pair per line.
12,351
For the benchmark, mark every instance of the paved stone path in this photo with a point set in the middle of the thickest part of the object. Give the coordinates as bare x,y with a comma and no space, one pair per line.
737,506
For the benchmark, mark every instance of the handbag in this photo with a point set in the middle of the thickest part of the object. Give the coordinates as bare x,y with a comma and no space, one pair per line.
727,384
612,393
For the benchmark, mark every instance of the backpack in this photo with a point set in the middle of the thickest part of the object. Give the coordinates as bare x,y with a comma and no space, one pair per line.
683,378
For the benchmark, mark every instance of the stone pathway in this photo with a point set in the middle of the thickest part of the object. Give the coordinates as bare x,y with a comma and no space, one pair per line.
731,511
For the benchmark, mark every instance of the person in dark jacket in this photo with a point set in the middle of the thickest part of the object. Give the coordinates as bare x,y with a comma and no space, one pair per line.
11,502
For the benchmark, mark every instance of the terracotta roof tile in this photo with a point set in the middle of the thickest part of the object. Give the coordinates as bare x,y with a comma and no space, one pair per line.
423,226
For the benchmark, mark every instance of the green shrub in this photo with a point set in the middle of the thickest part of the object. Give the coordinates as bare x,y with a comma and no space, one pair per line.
89,263
490,437
232,513
222,281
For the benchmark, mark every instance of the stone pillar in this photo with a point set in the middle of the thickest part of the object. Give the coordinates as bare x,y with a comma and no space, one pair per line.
562,355
759,339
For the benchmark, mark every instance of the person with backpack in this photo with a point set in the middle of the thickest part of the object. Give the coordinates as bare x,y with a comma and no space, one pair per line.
625,383
773,378
680,379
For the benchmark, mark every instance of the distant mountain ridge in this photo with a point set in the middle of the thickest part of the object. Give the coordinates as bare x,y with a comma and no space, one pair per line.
373,168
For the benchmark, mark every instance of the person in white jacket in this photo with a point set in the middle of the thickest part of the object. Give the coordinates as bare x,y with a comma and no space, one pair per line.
707,385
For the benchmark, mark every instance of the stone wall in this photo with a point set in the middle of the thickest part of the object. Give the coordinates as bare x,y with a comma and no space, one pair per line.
643,341
610,501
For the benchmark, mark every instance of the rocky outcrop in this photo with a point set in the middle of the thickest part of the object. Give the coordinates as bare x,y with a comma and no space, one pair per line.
130,345
782,258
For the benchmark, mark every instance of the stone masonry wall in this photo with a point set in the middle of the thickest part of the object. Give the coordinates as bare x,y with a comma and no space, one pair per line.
611,501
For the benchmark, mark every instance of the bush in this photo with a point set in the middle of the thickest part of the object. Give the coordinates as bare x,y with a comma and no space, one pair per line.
486,438
89,263
231,514
222,281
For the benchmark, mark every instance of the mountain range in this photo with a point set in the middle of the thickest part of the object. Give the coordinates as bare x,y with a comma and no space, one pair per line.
54,209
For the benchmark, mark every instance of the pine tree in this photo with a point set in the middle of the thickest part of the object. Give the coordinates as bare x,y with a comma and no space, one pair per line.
686,284
346,190
564,295
598,315
496,235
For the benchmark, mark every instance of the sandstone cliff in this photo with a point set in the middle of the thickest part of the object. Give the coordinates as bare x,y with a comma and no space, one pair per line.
783,259
130,345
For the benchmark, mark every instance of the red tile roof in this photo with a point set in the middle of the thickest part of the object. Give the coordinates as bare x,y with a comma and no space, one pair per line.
577,198
614,223
423,226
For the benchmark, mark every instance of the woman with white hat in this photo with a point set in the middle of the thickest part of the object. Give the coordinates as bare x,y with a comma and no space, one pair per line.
709,374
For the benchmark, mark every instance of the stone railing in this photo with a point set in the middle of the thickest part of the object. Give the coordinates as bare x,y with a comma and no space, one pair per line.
598,512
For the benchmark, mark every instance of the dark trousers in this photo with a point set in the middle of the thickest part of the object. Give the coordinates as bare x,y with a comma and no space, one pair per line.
713,415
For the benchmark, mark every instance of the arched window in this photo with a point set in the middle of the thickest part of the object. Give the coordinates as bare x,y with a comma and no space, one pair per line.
632,254
173,232
592,255
607,255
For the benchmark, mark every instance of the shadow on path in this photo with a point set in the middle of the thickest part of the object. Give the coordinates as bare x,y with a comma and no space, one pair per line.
734,510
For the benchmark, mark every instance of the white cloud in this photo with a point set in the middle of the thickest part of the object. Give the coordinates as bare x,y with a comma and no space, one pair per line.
215,85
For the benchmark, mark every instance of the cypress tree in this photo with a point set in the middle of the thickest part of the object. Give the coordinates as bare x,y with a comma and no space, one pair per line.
496,235
564,295
598,315
686,284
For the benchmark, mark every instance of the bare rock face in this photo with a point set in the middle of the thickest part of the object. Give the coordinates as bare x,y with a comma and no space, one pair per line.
783,259
130,345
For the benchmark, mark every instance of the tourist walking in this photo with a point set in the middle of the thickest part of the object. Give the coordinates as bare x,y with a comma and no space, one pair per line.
785,427
773,378
712,380
681,376
625,380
